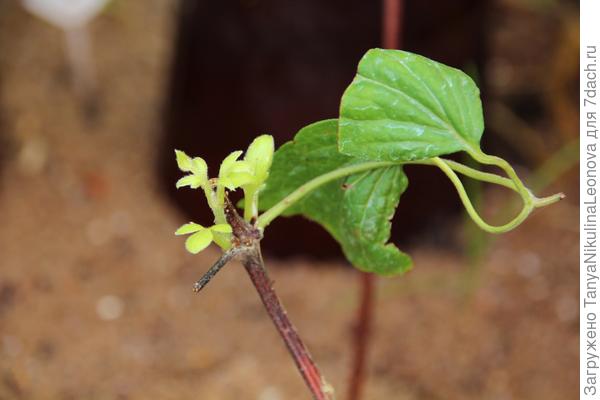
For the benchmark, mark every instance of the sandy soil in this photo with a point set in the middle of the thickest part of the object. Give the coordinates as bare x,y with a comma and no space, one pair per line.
95,291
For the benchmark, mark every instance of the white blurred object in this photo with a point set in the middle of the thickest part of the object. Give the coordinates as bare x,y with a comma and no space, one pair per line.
66,14
33,155
73,16
110,307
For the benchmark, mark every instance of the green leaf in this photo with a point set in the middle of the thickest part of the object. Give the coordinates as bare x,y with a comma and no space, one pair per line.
190,227
193,181
235,180
222,235
199,241
402,106
184,162
222,228
233,173
356,210
223,240
199,167
228,162
260,156
370,200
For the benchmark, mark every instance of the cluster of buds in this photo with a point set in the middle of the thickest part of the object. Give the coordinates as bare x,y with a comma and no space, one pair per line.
249,174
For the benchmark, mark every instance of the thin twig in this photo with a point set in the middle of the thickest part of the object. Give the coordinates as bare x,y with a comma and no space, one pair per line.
362,335
225,258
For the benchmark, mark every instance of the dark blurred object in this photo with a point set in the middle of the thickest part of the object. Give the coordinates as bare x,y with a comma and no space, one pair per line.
250,67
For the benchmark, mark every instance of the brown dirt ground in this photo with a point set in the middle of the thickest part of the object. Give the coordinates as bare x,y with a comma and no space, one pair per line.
95,299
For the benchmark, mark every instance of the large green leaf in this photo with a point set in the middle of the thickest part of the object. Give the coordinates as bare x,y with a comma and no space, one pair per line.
402,106
356,210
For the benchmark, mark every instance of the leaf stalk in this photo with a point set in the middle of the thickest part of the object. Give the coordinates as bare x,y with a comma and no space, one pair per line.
448,167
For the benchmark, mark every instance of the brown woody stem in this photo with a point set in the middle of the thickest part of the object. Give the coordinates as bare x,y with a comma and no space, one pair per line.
254,265
246,239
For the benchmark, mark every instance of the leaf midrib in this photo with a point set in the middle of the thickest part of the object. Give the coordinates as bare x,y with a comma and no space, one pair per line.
468,147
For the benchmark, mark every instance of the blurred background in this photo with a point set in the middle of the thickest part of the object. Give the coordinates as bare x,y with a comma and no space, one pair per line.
95,290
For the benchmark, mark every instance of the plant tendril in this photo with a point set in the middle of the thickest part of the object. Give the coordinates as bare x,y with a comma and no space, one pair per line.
449,167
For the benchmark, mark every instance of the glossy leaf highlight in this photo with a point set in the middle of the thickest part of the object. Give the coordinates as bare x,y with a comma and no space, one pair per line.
402,106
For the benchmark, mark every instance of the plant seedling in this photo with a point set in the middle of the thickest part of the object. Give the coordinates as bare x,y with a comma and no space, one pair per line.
347,175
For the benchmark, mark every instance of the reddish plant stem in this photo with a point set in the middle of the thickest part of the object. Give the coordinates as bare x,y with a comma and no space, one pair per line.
393,13
254,265
246,241
362,334
391,36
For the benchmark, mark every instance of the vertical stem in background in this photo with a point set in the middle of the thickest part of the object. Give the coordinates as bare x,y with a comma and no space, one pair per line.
391,34
254,265
362,334
79,53
392,16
